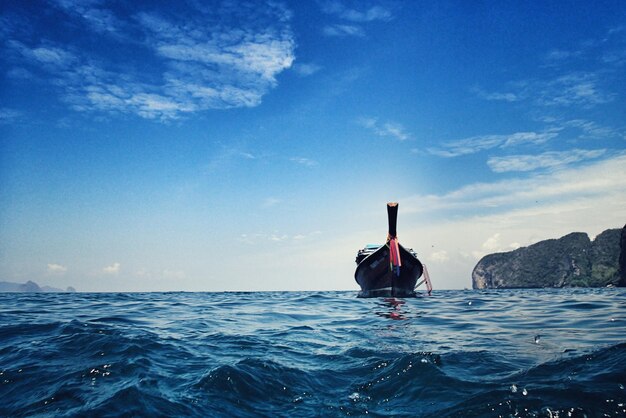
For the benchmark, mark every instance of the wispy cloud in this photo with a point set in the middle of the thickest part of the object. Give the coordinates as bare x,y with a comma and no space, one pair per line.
580,89
352,20
552,159
185,63
54,268
343,30
590,129
306,69
113,269
583,89
97,17
494,244
440,256
8,115
480,143
46,54
307,162
559,86
366,14
496,96
278,237
385,129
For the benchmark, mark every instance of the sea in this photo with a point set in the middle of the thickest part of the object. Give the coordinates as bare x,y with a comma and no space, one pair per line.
457,353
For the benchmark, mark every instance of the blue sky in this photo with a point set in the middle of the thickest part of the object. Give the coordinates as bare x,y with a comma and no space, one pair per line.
252,146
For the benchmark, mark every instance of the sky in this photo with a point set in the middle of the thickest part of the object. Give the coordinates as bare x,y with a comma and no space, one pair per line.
249,146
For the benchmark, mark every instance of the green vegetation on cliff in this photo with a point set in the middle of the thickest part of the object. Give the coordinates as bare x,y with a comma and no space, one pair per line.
571,261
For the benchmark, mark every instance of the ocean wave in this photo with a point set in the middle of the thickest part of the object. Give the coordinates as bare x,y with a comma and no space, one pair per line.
523,354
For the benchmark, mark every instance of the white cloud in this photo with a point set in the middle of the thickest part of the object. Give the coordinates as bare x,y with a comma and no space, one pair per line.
385,129
343,30
336,7
47,55
496,96
580,89
54,268
553,159
439,256
480,143
590,129
186,62
97,18
560,87
113,269
307,162
248,155
306,69
493,244
278,237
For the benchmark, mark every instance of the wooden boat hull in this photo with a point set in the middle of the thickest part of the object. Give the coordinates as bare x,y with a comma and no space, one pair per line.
377,280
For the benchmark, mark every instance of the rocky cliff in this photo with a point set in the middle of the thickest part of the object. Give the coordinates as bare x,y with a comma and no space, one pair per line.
571,261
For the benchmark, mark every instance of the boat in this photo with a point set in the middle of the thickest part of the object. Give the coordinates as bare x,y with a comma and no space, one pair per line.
390,270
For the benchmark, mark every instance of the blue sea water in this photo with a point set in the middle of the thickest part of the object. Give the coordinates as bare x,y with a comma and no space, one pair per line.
488,353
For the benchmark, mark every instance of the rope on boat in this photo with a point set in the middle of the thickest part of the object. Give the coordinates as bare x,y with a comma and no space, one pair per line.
429,286
394,256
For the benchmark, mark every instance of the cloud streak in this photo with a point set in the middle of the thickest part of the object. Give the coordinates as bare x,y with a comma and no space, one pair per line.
385,129
563,87
340,30
553,159
307,162
351,19
369,14
476,144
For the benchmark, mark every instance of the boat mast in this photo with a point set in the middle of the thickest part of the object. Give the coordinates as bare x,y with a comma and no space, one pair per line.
392,215
392,240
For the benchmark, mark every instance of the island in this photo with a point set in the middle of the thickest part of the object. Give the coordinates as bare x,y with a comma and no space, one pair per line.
570,261
32,287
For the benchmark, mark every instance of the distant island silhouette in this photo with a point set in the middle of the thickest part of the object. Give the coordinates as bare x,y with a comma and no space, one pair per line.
32,287
570,261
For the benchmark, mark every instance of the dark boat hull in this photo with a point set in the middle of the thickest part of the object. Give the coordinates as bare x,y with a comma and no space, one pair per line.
377,280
